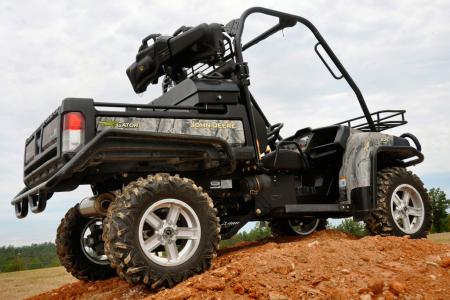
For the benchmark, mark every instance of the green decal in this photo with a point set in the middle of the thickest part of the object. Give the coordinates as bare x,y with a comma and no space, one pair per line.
108,123
117,124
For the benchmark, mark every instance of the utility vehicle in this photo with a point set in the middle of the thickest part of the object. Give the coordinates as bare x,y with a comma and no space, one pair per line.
173,177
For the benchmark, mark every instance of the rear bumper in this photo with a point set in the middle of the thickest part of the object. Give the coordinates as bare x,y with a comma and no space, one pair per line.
113,147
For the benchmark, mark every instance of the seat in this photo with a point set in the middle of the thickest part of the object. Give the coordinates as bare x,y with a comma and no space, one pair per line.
285,160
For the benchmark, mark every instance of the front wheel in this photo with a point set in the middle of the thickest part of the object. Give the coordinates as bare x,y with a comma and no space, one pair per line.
161,230
403,205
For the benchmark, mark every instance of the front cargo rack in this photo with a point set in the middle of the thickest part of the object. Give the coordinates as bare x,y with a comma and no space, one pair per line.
383,120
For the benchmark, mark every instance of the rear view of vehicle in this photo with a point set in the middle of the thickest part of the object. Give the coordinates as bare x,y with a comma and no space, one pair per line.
171,178
135,157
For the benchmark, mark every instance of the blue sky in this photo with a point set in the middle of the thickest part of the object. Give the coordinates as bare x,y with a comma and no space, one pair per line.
397,52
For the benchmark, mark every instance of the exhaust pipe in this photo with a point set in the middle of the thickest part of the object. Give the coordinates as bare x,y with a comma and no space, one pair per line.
96,206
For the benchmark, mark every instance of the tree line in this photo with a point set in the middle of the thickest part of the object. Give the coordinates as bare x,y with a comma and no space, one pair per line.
35,256
440,206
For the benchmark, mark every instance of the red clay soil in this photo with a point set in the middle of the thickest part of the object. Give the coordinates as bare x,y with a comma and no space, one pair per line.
325,265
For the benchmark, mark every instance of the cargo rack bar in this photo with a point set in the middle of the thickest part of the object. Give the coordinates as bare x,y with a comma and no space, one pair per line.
383,120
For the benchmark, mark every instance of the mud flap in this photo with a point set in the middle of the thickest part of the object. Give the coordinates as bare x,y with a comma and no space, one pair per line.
362,202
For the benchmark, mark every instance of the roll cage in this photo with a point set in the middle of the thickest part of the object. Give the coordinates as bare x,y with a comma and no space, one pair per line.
288,20
221,57
384,119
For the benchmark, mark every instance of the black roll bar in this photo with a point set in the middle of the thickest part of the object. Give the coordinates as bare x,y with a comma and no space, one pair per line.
288,20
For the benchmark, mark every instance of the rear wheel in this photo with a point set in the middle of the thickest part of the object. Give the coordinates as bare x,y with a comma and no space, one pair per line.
80,247
298,226
161,230
403,205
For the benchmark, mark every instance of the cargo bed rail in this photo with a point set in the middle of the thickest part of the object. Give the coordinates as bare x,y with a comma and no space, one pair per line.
383,120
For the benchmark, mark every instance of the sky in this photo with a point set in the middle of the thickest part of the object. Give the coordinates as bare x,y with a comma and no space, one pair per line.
396,51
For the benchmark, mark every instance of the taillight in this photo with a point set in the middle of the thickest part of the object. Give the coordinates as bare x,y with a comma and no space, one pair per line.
73,131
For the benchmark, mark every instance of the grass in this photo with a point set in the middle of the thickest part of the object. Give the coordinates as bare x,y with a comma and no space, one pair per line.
443,237
23,284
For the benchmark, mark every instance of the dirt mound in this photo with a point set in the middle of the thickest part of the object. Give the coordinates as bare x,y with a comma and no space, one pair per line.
325,265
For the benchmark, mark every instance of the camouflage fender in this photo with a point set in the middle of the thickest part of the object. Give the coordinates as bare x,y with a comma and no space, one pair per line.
357,160
232,131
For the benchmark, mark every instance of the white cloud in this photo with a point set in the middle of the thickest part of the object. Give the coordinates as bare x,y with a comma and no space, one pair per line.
397,51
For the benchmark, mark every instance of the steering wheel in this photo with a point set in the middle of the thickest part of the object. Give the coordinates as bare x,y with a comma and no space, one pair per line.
273,133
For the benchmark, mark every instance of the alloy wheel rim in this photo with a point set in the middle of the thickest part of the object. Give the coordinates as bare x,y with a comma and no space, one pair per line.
407,208
91,243
169,232
304,227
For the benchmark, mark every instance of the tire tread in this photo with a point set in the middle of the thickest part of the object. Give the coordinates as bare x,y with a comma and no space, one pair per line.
68,249
126,257
377,223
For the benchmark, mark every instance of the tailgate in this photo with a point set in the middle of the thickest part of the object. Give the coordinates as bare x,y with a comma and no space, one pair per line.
42,151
